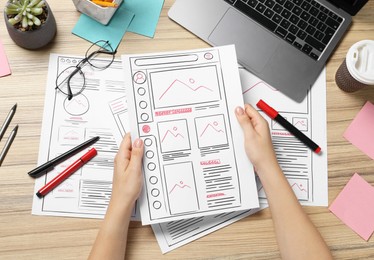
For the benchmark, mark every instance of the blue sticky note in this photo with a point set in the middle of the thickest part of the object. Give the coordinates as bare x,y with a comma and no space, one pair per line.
147,13
93,31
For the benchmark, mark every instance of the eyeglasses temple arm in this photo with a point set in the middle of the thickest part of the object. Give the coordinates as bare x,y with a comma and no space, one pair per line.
70,94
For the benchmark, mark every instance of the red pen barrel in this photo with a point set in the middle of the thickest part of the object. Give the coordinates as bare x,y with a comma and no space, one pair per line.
66,173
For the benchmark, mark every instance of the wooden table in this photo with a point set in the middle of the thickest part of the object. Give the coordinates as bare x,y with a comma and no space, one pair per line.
23,236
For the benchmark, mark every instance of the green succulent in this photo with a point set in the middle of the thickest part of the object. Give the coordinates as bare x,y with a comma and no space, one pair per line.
25,12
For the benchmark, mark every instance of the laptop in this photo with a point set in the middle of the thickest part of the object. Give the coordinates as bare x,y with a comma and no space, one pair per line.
284,42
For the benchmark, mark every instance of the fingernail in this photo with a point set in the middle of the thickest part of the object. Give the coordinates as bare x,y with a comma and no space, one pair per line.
138,143
239,111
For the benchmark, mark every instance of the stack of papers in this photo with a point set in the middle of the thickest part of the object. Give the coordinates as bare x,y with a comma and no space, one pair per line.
197,175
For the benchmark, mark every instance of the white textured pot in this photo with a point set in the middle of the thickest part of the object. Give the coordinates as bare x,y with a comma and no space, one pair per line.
34,39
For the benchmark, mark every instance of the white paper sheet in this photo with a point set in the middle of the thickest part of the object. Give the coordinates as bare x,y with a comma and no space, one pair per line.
182,105
68,123
305,170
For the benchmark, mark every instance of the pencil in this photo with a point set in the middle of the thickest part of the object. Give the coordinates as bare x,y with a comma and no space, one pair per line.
7,121
8,144
104,3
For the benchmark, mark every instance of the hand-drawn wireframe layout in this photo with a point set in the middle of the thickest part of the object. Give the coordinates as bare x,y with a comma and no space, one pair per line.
68,123
182,105
305,170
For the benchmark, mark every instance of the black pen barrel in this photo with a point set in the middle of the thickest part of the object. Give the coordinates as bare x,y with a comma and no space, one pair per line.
44,168
296,132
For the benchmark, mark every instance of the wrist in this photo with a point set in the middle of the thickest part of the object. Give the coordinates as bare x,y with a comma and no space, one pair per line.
121,207
269,173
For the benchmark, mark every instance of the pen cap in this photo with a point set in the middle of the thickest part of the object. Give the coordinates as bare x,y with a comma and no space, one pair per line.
89,155
271,112
360,61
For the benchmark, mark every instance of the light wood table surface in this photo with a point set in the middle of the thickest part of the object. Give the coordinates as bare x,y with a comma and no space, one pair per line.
24,236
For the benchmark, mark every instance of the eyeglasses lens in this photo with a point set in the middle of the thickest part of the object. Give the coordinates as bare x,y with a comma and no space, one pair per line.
100,55
76,82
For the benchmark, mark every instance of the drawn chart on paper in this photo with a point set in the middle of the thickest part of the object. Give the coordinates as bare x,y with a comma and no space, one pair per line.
174,135
179,186
180,183
70,135
77,106
300,123
169,86
276,126
300,187
256,89
211,130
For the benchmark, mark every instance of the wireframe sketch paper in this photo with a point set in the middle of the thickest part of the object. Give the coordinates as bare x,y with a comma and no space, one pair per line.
68,123
306,171
182,105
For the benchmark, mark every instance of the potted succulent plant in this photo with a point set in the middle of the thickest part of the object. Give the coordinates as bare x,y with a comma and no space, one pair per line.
30,23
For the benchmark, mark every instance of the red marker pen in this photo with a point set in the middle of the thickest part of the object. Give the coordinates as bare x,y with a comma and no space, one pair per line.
273,114
66,173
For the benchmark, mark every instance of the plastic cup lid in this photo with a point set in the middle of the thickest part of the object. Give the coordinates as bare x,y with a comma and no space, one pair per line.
360,61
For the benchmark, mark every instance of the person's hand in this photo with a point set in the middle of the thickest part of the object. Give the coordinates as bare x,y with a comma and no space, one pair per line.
111,240
258,145
127,175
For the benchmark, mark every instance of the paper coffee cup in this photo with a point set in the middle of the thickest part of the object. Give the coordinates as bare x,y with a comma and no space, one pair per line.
357,70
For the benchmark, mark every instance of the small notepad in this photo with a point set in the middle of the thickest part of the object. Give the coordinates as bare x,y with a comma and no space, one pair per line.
93,31
360,131
4,65
355,206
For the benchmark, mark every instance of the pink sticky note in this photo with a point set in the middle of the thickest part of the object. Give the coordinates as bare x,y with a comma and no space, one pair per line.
360,131
355,206
4,65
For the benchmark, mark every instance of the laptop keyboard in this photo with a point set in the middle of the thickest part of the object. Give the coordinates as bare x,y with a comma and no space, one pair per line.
306,24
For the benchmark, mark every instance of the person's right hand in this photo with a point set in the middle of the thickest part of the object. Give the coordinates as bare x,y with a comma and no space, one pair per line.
258,144
127,175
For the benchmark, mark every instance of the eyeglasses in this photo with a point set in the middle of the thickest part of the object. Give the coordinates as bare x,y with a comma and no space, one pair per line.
71,81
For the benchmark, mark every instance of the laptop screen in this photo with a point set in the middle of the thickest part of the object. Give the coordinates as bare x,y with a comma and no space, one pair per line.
350,6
